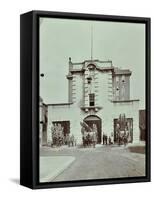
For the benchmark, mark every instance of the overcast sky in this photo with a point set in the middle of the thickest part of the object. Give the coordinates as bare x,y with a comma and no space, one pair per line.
123,43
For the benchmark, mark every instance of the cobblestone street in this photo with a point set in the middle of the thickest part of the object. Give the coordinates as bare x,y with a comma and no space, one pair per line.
96,163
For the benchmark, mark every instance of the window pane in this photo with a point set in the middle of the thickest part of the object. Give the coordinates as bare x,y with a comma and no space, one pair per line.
91,99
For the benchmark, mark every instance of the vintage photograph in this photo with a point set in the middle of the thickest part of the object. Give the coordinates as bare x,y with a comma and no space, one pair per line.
92,109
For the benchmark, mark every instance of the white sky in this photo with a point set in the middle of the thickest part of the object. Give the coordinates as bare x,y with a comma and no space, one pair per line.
123,43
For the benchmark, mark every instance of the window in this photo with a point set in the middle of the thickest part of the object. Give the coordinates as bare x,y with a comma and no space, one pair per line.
91,99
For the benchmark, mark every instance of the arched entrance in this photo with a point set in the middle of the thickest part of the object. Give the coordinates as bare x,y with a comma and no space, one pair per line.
93,119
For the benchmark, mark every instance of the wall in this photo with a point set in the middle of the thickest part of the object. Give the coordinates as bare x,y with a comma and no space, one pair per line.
77,89
9,87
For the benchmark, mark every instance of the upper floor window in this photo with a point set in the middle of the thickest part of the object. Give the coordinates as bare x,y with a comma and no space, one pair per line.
91,99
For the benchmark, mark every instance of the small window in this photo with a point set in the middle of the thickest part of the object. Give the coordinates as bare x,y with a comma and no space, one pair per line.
91,99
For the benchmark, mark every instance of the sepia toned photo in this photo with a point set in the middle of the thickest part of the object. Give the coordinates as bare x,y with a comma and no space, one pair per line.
92,107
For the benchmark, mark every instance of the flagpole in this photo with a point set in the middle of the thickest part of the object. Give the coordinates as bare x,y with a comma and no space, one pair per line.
91,42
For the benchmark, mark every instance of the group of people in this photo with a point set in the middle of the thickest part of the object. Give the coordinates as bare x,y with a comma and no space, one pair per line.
89,136
107,140
57,134
89,139
59,138
122,138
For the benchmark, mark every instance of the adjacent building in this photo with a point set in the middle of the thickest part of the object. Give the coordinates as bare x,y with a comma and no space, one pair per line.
142,124
43,115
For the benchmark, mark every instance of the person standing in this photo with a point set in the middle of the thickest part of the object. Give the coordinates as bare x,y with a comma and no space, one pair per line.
110,140
103,138
106,140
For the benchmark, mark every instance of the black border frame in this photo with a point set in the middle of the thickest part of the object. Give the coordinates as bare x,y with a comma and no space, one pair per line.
29,98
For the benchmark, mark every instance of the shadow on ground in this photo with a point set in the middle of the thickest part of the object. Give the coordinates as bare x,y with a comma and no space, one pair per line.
15,180
137,149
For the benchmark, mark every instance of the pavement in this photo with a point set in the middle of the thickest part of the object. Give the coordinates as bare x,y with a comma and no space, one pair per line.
52,166
74,163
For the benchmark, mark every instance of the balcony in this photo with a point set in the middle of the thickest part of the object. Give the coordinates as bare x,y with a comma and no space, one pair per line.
88,108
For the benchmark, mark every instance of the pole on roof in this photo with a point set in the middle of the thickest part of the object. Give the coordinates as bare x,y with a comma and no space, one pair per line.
91,42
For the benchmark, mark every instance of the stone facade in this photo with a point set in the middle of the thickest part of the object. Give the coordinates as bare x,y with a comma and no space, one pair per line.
98,94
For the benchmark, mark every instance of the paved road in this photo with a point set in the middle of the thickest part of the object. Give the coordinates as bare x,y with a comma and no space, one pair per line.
99,162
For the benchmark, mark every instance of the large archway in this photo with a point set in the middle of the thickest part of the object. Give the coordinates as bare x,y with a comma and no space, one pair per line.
93,119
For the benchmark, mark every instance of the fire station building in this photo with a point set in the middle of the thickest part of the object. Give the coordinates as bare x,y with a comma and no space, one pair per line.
99,93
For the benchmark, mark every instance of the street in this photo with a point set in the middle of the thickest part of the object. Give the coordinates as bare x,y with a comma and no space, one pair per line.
96,163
